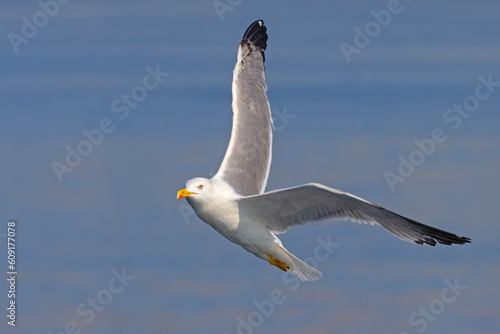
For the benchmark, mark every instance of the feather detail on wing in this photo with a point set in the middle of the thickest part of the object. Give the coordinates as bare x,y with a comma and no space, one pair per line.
248,157
310,203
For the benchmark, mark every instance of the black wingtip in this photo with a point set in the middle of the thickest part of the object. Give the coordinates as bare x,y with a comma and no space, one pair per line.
256,35
432,234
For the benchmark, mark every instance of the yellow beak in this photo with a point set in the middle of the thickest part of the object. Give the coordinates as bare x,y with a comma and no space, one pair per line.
184,193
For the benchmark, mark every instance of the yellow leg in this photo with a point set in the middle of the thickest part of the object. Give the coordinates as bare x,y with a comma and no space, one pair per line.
280,264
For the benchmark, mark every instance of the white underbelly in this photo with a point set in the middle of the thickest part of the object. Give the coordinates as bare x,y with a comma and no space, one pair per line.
251,235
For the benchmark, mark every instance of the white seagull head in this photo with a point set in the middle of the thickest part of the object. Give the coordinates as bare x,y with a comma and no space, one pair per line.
201,190
198,188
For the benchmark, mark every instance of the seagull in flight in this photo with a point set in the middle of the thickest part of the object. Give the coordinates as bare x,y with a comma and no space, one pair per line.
234,201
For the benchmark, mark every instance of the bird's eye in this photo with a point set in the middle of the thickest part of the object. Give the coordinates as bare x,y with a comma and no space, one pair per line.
200,186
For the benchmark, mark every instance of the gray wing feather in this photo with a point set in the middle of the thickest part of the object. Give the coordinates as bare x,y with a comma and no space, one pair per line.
310,203
248,157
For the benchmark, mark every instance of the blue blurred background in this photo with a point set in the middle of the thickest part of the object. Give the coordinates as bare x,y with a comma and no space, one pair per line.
348,123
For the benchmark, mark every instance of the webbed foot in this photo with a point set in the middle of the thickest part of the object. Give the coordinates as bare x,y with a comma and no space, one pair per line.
280,264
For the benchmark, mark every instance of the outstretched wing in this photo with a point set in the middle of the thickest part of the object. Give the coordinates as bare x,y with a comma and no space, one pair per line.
248,157
282,209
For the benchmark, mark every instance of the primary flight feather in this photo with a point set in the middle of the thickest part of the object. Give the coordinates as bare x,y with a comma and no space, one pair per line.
234,203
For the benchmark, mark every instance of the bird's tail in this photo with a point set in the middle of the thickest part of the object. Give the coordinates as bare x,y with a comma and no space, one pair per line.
300,269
